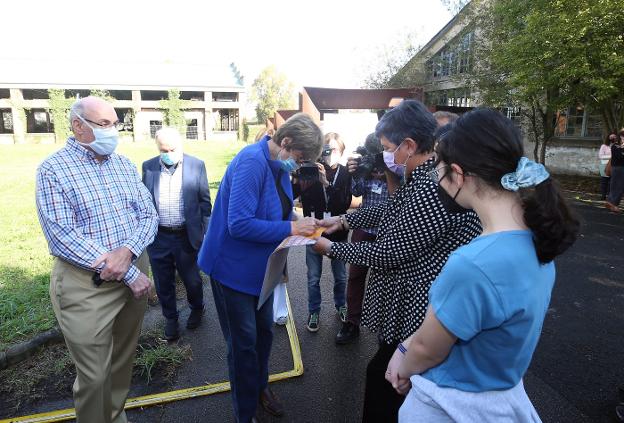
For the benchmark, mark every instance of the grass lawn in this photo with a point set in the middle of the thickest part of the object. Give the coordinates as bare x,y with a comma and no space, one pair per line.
25,263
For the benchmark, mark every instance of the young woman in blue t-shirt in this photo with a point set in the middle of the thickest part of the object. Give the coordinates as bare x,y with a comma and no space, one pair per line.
487,306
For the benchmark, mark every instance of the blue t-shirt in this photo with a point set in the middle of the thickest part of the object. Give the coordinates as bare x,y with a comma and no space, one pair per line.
493,295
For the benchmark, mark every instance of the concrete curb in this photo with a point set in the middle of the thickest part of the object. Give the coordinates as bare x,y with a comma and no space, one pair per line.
19,352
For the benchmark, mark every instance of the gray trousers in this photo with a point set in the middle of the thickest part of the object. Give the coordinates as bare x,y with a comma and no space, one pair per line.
616,189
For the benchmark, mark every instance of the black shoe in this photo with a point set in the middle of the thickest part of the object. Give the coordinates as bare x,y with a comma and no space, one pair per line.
194,319
171,330
348,333
271,403
619,413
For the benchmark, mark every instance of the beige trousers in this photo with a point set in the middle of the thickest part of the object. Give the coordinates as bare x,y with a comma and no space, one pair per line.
101,326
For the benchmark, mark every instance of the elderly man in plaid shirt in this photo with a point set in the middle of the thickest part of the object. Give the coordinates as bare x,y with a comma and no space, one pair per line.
97,218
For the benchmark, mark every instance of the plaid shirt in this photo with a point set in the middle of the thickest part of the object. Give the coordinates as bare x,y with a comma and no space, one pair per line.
171,200
364,187
87,208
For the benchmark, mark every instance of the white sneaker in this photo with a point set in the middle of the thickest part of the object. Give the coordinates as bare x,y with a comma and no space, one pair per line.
282,320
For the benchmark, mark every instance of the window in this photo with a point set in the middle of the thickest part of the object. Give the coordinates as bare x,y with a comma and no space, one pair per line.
228,120
35,94
192,95
121,94
453,59
126,117
217,96
6,121
191,129
154,95
5,93
578,122
38,122
459,97
155,125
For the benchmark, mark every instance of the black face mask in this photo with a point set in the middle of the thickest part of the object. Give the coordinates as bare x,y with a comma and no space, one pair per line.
449,203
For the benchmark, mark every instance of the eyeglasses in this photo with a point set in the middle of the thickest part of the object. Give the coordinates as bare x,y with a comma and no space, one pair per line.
118,125
435,174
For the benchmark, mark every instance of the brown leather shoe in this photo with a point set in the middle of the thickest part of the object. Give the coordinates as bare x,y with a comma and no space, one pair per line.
271,403
612,207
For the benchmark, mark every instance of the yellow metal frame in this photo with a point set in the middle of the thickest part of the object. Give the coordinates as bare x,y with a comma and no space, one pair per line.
181,394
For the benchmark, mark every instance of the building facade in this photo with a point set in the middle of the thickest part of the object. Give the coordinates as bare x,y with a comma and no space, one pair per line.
212,98
444,64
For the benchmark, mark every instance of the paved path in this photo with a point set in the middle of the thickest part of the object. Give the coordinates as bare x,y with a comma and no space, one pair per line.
572,378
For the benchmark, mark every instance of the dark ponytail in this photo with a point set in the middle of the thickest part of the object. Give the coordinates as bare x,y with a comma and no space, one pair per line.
550,219
486,144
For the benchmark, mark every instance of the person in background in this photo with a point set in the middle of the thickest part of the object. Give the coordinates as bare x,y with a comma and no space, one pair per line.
419,227
486,308
444,118
604,155
97,218
252,214
616,187
373,189
329,195
179,187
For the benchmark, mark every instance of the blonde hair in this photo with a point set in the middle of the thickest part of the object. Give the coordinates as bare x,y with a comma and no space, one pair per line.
304,135
334,136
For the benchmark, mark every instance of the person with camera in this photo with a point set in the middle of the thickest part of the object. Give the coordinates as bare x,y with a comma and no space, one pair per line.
419,227
252,214
325,191
369,182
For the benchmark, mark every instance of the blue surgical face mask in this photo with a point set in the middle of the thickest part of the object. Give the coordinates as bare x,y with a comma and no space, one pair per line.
171,158
106,139
288,165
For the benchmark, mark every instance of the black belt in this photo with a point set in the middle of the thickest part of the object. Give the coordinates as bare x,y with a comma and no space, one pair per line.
172,229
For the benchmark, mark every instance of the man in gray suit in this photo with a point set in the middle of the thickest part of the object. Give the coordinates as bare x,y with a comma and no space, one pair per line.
179,188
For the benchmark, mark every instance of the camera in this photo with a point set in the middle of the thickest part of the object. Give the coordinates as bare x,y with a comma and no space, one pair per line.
372,157
307,172
326,152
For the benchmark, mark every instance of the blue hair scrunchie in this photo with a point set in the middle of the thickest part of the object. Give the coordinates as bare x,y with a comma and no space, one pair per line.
527,174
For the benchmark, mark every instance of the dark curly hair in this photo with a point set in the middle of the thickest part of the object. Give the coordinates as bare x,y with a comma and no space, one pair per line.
486,144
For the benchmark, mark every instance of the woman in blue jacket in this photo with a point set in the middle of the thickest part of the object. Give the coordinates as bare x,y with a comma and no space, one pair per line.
252,214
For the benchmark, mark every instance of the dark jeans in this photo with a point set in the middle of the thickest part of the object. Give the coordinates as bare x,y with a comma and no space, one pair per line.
381,401
357,281
617,185
248,334
604,186
168,252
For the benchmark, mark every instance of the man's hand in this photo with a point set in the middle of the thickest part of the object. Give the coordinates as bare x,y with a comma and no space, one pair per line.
353,163
305,227
116,264
142,286
322,246
332,224
400,384
322,175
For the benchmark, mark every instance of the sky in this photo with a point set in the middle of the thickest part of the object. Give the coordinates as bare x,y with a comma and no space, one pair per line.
326,43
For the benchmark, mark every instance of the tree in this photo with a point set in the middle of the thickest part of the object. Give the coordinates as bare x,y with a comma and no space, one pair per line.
59,111
387,64
173,113
547,55
454,6
104,94
272,91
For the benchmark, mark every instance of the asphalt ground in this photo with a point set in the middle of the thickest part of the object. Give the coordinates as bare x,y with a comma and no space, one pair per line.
576,368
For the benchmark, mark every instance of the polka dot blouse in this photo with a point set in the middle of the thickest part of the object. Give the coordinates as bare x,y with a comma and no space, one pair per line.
416,236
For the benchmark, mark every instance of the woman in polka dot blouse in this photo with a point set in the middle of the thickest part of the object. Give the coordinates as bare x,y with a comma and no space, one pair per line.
419,227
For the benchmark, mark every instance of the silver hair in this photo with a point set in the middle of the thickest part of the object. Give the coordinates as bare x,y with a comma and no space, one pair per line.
76,109
172,135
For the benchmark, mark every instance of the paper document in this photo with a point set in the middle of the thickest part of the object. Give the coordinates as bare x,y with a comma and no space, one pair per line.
276,266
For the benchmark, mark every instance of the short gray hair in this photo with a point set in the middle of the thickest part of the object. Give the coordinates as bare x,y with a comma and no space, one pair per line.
304,134
170,134
76,109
